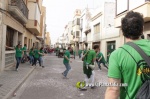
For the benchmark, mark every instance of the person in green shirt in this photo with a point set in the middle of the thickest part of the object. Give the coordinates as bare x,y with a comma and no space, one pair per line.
89,58
31,55
36,56
74,53
57,51
18,54
66,61
126,67
79,53
24,58
101,60
41,56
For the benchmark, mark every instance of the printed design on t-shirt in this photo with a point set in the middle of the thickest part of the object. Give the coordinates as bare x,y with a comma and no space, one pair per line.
143,70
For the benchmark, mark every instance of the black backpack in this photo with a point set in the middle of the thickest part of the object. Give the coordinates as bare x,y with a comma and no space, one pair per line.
144,91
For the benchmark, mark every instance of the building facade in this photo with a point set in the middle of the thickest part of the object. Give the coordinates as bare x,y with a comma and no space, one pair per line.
142,7
19,23
76,29
41,36
104,33
85,27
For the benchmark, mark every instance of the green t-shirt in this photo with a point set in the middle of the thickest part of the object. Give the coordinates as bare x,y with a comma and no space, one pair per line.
67,53
31,53
90,56
102,59
24,49
80,51
18,52
41,51
74,52
84,52
36,53
121,63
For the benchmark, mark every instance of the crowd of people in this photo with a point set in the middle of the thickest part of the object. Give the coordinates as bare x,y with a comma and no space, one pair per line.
127,64
33,56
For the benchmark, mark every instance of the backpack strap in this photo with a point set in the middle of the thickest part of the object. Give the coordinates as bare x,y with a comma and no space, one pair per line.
140,51
142,54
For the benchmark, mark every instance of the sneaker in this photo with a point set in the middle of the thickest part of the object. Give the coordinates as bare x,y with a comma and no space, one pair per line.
83,89
17,69
43,66
93,87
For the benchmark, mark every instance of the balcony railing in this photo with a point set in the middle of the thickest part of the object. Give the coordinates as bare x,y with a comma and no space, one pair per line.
21,5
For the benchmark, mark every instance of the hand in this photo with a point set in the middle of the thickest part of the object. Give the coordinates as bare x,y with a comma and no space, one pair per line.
70,61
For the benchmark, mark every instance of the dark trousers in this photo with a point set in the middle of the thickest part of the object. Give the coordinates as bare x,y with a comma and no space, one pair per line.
35,61
99,64
18,59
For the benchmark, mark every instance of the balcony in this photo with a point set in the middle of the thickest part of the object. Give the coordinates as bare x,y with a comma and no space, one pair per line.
19,10
143,9
33,26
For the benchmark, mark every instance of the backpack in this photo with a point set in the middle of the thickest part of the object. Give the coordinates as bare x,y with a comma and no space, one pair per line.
144,90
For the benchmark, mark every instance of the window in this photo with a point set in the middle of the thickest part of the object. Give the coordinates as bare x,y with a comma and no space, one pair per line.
122,6
9,37
133,3
77,34
78,21
97,28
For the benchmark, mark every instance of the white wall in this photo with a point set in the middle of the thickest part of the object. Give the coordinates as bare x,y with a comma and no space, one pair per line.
32,8
37,15
34,13
109,30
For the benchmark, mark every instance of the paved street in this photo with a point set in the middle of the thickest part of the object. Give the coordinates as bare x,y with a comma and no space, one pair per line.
48,83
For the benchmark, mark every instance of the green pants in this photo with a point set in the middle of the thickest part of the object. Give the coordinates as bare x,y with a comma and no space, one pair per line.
86,71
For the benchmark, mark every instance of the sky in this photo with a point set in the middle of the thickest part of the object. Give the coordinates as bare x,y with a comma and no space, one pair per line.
60,12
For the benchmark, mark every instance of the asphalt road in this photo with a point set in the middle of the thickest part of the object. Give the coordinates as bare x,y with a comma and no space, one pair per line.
48,83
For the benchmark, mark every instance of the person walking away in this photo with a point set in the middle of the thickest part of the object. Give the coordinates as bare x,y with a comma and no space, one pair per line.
126,66
24,58
74,53
36,57
90,58
31,55
79,53
101,60
41,56
66,62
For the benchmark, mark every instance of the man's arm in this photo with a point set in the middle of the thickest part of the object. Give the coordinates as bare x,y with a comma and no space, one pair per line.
113,92
100,58
67,58
12,48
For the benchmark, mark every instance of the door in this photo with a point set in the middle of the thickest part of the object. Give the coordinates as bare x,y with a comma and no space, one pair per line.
110,48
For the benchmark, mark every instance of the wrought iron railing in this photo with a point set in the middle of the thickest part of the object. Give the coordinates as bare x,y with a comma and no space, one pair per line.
21,5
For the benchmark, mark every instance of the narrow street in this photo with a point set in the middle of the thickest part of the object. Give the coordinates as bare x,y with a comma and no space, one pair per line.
48,83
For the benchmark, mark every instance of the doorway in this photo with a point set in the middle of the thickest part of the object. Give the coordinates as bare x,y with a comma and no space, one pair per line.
110,48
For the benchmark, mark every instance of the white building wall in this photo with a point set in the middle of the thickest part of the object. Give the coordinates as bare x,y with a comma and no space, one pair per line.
34,13
96,36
